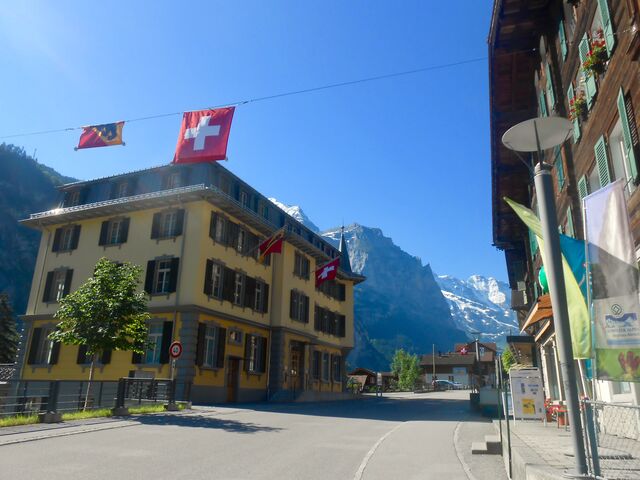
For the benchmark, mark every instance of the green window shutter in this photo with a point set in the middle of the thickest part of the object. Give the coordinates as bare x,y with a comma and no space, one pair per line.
607,26
570,230
563,40
533,243
583,190
559,168
602,162
590,87
543,105
550,93
626,135
576,121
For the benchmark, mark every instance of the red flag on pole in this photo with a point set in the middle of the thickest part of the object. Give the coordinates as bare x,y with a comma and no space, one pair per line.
328,271
204,135
272,244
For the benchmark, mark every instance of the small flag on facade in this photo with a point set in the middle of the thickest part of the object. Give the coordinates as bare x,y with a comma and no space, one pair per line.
204,135
271,245
328,271
101,135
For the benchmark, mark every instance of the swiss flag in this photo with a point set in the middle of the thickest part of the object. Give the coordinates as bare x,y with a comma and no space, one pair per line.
204,136
328,271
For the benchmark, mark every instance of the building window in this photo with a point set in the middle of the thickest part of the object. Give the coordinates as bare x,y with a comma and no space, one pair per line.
235,336
242,239
619,159
265,211
114,232
301,266
154,344
238,288
122,190
163,276
336,368
57,285
219,228
299,307
210,346
315,367
329,322
173,180
259,296
167,224
72,198
325,367
42,349
333,289
621,388
244,198
66,238
255,354
213,279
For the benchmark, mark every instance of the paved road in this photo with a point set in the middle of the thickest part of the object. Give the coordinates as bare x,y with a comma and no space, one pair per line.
407,436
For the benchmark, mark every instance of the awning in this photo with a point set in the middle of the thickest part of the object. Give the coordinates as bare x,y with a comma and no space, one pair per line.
540,311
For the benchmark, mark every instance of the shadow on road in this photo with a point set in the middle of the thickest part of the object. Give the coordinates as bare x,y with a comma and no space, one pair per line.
204,421
386,409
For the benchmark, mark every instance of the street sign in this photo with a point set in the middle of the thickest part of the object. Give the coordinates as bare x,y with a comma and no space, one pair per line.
175,350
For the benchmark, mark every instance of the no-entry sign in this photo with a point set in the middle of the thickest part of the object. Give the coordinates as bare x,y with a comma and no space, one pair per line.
175,350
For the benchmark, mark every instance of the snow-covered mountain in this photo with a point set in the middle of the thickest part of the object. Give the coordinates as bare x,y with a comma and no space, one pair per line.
480,304
296,212
403,304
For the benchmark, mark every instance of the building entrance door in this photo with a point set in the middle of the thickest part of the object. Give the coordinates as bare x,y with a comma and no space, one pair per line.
297,366
233,374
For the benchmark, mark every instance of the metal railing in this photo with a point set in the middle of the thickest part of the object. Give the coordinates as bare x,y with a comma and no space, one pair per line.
32,397
615,438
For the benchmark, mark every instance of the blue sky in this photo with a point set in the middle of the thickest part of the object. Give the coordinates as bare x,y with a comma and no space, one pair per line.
409,155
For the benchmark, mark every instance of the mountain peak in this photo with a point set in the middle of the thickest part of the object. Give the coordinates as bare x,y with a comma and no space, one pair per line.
296,212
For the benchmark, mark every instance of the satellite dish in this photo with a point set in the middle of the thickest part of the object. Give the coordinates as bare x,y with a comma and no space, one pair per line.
537,134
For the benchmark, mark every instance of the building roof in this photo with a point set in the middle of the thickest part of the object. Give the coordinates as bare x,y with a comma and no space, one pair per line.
345,262
448,359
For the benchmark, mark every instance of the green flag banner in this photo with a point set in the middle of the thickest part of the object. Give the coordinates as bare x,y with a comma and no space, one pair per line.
579,320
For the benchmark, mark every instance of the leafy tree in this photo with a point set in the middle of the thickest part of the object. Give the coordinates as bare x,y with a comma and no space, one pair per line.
105,313
508,360
405,366
8,334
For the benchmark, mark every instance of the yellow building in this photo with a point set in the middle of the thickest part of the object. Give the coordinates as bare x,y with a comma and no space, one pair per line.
250,331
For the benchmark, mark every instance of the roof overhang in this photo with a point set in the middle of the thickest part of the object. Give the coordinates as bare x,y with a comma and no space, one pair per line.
541,310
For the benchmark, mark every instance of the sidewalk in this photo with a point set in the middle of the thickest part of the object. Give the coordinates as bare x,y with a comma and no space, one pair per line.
545,452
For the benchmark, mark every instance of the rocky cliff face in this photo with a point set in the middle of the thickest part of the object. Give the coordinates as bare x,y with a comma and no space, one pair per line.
26,186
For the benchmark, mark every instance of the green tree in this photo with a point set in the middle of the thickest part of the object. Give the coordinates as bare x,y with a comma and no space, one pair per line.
105,313
508,360
8,334
406,368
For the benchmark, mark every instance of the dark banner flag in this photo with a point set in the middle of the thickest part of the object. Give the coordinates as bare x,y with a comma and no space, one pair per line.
101,135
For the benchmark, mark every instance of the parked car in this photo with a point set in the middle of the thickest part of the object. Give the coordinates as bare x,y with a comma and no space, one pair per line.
447,385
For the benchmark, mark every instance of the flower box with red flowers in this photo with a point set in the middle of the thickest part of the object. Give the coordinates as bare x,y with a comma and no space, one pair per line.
597,56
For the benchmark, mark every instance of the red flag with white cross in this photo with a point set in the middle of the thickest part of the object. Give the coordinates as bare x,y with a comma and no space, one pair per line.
328,271
204,136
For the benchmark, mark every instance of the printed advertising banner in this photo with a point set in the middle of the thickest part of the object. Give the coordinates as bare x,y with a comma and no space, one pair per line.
527,393
614,276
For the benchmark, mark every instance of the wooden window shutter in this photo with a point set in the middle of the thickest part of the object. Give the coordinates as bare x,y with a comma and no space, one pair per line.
559,168
602,162
263,354
212,225
56,240
155,226
67,282
208,282
167,333
570,230
33,350
576,121
249,292
136,358
55,353
179,222
247,351
590,85
222,342
583,189
306,309
148,281
533,243
75,237
562,37
105,358
626,136
228,284
82,355
607,26
293,304
46,296
173,278
202,329
265,300
550,92
124,235
104,229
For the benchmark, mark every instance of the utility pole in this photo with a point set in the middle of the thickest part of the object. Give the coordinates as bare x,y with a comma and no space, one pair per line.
433,361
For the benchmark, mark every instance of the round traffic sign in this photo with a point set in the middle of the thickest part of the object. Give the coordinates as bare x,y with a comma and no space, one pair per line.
175,350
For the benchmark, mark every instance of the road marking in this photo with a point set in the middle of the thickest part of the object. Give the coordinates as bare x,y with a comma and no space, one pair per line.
367,457
465,465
